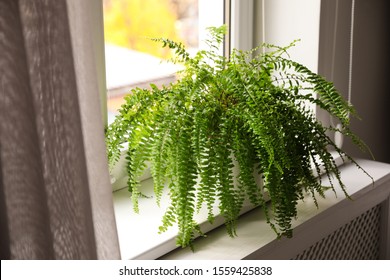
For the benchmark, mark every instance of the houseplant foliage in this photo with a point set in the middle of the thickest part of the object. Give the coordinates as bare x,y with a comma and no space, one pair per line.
248,111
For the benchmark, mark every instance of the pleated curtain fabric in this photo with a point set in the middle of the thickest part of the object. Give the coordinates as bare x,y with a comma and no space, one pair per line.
49,207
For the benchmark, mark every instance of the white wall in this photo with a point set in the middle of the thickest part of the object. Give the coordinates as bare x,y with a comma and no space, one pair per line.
287,20
281,22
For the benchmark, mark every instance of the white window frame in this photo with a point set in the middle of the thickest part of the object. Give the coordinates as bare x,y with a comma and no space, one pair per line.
241,18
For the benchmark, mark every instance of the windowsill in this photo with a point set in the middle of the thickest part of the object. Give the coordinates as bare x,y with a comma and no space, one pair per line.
138,233
254,234
139,237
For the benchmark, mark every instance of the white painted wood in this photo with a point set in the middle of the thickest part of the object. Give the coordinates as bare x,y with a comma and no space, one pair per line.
242,20
257,241
139,239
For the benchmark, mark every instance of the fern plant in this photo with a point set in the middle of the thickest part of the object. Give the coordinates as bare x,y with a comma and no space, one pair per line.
249,111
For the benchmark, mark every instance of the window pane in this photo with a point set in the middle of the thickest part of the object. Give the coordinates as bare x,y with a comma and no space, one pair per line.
132,59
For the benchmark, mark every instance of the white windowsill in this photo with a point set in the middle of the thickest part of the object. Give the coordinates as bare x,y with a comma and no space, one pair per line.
254,233
139,239
138,233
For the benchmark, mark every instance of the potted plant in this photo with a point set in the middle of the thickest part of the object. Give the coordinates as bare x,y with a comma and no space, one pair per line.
247,111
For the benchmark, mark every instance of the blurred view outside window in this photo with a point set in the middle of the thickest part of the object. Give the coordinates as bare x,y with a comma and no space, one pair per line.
132,59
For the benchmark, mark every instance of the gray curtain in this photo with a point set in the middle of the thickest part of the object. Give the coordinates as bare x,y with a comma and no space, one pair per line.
55,196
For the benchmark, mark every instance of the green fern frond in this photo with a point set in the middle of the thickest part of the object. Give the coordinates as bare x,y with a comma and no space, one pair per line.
225,125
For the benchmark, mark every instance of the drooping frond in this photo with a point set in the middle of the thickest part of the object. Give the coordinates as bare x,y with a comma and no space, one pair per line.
230,130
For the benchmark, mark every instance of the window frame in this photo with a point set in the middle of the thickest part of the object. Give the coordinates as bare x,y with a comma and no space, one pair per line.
236,17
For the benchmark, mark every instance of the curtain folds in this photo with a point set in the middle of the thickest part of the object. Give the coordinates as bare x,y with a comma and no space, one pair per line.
48,193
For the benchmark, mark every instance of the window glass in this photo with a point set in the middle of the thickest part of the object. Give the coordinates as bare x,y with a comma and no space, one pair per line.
132,59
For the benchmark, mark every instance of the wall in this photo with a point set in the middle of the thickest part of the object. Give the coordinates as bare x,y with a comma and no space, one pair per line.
284,21
370,60
325,45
